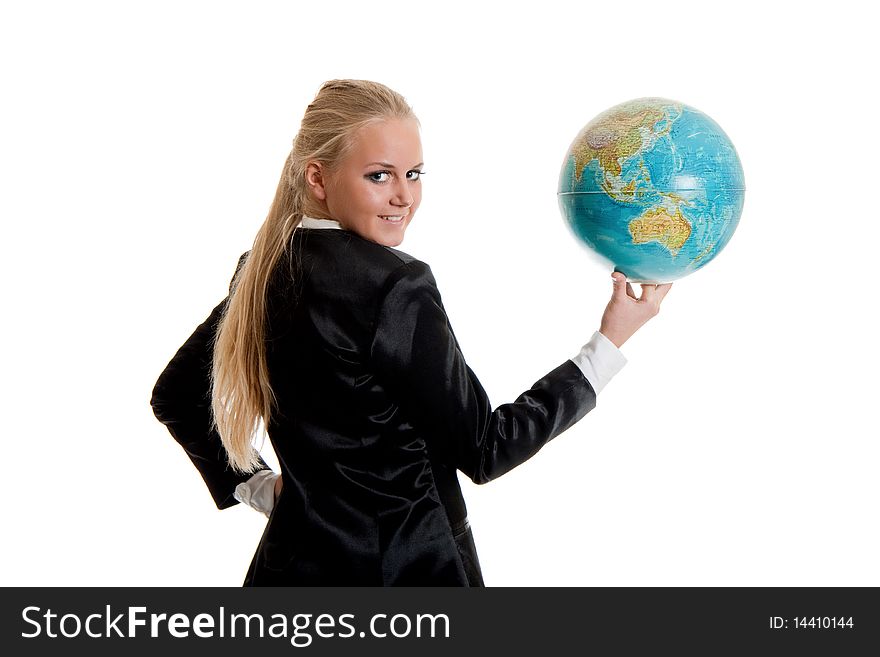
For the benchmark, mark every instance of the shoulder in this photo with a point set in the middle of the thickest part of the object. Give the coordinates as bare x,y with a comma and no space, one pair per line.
395,273
404,258
358,262
409,272
386,259
410,287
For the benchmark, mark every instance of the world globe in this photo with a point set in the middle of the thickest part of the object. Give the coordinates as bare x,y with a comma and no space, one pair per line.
652,187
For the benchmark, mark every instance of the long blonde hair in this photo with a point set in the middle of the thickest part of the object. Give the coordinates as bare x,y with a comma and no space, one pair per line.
241,393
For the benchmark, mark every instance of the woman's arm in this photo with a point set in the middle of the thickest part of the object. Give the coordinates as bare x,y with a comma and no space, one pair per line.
416,353
418,358
181,401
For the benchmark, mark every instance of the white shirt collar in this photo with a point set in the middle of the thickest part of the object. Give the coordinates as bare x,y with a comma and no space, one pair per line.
311,222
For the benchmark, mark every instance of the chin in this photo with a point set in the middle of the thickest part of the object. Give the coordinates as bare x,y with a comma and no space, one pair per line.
393,237
389,241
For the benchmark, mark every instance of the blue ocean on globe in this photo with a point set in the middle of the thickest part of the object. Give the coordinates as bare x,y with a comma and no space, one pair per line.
653,187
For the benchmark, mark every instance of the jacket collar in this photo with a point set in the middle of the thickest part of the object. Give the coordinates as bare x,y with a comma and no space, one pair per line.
311,222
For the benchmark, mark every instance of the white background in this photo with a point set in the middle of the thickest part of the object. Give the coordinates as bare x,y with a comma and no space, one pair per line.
141,147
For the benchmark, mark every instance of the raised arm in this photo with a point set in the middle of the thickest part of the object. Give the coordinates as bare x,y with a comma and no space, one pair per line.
417,356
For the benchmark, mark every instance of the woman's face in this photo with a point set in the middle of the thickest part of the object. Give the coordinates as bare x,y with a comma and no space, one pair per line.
375,189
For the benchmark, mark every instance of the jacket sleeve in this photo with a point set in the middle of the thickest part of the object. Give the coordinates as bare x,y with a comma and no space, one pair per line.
181,401
418,358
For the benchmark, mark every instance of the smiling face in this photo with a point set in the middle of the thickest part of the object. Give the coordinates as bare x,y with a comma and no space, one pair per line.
374,190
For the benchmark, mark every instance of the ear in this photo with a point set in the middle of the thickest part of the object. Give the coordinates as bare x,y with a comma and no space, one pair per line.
315,180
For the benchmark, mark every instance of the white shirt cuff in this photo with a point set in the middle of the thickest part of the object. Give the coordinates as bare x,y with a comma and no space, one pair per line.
599,360
258,492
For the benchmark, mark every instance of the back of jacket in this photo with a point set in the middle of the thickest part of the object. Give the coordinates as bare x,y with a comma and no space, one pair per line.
361,502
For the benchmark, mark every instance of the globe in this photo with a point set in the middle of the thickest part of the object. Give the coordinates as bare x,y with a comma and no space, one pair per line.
653,188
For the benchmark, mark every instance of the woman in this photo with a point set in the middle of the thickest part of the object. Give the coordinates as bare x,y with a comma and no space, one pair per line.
340,344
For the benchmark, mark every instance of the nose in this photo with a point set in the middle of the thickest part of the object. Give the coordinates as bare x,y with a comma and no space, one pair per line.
402,194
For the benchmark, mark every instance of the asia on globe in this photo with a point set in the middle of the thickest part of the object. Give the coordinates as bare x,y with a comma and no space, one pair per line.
653,187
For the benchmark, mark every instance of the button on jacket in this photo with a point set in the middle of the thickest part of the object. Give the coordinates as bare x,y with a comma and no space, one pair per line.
378,410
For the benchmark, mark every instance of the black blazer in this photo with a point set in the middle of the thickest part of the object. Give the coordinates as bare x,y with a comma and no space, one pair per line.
378,410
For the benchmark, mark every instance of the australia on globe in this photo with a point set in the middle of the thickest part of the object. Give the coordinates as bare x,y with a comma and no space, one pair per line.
653,187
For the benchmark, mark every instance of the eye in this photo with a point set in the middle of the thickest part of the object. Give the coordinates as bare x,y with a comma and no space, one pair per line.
414,174
377,176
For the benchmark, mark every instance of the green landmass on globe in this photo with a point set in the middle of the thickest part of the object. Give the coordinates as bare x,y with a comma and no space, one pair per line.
653,187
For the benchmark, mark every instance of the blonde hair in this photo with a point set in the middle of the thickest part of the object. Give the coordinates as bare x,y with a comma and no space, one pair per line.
241,392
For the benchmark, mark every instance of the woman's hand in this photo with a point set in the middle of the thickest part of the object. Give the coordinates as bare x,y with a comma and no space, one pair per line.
625,313
279,483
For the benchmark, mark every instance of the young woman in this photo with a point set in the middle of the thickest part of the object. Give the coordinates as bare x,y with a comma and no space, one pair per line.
340,344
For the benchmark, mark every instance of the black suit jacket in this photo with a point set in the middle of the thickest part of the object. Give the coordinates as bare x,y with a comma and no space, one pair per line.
378,411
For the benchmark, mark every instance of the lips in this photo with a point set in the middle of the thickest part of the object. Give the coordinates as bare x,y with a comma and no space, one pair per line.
393,218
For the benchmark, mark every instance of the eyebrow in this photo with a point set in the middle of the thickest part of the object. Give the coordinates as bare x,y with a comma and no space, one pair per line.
388,165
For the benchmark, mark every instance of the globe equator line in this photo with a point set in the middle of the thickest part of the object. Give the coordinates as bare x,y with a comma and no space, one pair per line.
662,191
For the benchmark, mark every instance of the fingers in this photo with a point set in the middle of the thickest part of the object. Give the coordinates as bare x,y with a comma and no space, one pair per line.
654,291
618,280
662,291
647,291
